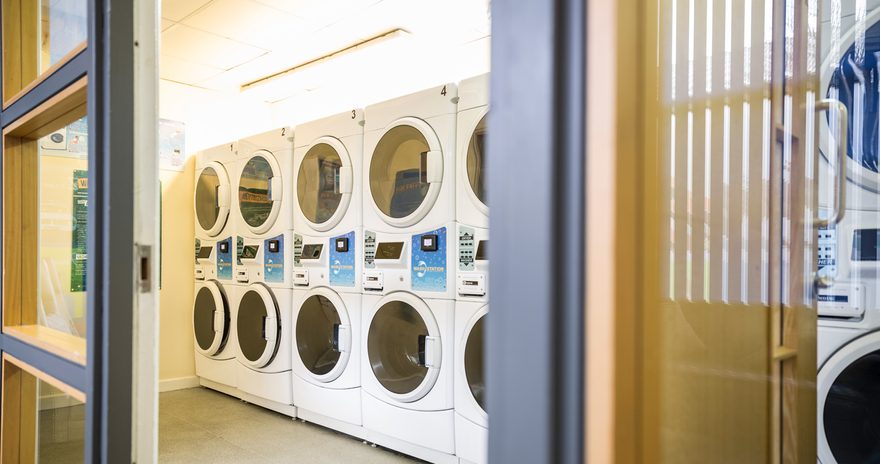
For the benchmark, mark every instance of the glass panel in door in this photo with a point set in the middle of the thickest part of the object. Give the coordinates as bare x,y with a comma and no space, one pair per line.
729,325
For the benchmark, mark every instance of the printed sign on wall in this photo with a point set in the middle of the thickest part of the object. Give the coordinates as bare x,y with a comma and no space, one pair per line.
172,145
79,235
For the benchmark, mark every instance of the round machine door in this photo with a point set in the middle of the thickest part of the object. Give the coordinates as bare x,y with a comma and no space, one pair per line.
210,319
211,199
475,165
849,403
258,326
406,171
404,347
474,372
324,183
323,335
847,78
259,192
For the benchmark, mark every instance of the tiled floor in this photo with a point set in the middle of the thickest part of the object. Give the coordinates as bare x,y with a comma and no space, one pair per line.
200,425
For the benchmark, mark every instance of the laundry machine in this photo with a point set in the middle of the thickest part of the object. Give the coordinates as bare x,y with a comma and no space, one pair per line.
409,199
407,374
264,329
213,315
326,272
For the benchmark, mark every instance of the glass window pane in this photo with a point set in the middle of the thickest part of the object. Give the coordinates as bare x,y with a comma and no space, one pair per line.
43,420
476,161
37,36
63,210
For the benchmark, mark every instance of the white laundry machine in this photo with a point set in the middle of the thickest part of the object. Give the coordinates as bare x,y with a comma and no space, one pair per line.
409,199
264,329
407,367
408,276
326,272
213,315
472,276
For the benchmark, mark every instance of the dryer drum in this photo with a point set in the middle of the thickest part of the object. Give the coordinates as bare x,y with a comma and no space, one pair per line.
204,311
251,328
852,412
473,363
393,347
317,332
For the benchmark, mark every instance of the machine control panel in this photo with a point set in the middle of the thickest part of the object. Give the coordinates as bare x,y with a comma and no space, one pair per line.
843,301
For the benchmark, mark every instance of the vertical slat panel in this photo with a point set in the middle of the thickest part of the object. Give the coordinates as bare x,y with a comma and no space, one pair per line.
754,198
30,232
680,149
699,103
735,94
716,142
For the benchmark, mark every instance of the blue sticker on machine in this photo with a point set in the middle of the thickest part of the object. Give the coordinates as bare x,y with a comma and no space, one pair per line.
429,261
342,256
273,259
224,259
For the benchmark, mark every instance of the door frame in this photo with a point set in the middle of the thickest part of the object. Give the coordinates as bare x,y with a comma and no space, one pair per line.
537,198
108,61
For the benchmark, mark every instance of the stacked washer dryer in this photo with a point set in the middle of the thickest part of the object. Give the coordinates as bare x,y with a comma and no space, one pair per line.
408,276
327,257
849,254
213,316
263,324
472,298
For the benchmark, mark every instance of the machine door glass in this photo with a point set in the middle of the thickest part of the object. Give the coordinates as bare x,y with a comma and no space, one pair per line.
851,413
476,161
850,76
255,192
318,187
473,363
258,327
398,171
209,187
395,345
210,319
318,335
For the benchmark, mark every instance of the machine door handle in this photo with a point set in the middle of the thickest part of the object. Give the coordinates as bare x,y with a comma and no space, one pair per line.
839,208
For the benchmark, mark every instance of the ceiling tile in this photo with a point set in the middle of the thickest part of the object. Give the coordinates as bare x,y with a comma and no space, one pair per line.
321,12
187,72
176,10
205,48
166,23
249,22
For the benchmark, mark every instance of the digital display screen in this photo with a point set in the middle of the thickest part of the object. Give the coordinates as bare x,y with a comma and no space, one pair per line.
389,250
249,251
312,251
204,252
482,251
865,242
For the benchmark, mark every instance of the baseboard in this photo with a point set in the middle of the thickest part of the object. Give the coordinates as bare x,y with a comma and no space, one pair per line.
178,383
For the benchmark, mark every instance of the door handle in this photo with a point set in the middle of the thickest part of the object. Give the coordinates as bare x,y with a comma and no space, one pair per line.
839,208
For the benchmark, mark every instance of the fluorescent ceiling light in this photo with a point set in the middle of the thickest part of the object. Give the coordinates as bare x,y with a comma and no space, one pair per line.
305,76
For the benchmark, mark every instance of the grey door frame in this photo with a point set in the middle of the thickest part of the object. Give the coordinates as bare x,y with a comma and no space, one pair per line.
106,378
535,328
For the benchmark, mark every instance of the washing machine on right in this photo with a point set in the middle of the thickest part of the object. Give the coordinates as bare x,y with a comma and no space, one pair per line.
409,273
848,336
472,271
